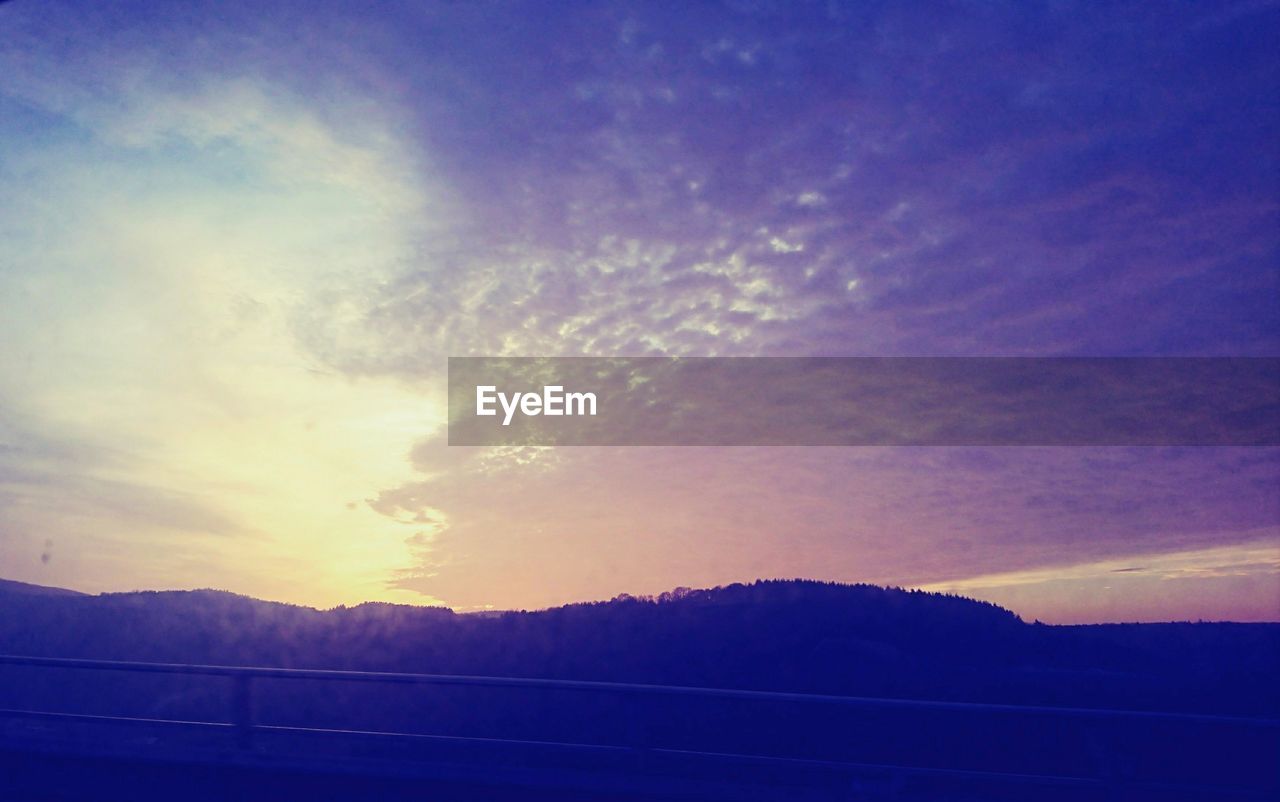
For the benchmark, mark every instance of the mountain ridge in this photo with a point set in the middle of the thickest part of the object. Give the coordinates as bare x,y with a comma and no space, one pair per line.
784,635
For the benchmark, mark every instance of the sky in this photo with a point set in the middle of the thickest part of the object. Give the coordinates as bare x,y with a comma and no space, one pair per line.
239,241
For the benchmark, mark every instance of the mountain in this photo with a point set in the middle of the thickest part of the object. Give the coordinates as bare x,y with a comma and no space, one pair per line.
8,586
798,635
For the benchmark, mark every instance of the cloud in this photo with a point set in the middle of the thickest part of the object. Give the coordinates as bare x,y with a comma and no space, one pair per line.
177,215
990,191
64,479
917,516
242,239
1239,582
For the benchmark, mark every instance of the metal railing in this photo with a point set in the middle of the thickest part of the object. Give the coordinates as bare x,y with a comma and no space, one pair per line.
244,725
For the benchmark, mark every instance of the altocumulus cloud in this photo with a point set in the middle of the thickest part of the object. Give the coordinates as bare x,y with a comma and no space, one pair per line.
739,179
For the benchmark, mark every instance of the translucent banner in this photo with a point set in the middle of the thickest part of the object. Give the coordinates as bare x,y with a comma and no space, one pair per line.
863,401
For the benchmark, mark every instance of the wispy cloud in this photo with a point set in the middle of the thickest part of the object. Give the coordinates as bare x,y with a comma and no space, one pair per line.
1240,581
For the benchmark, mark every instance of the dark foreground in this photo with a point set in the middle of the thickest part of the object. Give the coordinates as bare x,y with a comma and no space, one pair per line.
777,690
685,743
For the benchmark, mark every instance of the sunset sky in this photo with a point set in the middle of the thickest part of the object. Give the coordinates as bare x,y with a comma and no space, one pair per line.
238,242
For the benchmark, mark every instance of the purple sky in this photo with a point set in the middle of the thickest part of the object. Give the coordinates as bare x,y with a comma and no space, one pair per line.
240,240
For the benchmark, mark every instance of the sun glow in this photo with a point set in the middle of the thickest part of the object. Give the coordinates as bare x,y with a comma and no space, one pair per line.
239,214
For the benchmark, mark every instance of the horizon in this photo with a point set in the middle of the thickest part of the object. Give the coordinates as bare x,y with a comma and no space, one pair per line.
625,596
242,240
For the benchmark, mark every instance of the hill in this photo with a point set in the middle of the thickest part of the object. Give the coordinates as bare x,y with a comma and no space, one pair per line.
773,635
9,586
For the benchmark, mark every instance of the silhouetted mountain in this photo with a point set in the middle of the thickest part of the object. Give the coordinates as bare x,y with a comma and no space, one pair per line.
772,635
10,586
800,636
